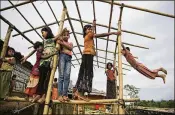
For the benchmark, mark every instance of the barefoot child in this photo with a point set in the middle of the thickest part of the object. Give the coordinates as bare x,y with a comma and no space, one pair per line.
55,89
152,74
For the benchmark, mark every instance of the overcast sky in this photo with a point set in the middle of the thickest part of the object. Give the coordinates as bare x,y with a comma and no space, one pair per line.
160,53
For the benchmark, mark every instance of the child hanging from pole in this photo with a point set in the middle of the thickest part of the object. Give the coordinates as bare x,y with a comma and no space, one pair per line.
152,74
85,76
111,85
30,90
6,72
55,89
64,65
46,64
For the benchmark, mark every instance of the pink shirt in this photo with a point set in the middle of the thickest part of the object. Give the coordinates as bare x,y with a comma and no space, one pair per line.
65,50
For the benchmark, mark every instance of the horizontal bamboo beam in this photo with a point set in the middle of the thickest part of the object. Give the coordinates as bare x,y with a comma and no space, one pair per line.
138,8
126,31
10,24
115,41
101,101
103,63
52,12
25,19
103,50
39,13
39,27
20,4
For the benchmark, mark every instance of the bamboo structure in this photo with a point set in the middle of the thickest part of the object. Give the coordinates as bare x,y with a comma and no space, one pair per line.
138,46
126,31
103,50
119,100
55,58
10,24
93,4
6,41
121,109
110,19
25,19
138,8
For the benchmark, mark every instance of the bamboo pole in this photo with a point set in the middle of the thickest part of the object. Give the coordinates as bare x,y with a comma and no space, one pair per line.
104,68
6,42
79,13
139,8
29,30
64,4
39,13
110,18
10,24
93,4
126,31
55,58
52,12
104,58
103,50
121,109
25,19
20,4
114,65
115,41
101,101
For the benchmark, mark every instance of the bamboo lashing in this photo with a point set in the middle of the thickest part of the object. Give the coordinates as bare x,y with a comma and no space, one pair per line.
55,58
10,24
6,42
25,19
139,8
121,109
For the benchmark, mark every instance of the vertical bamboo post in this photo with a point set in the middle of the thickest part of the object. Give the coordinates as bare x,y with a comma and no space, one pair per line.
121,110
6,41
55,58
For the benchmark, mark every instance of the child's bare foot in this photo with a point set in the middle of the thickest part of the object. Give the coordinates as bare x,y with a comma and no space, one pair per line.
42,99
65,98
163,70
36,98
163,76
60,98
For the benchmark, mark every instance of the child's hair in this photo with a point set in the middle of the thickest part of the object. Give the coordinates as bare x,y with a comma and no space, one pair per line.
9,48
37,44
85,28
55,79
109,63
49,32
64,31
128,48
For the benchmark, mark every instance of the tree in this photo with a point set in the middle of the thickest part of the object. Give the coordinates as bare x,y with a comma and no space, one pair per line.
132,90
